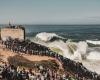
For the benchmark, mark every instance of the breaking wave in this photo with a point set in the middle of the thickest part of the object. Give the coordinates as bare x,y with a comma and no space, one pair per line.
44,36
72,50
93,42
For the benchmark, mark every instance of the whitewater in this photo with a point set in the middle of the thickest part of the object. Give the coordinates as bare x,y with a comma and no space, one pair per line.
78,51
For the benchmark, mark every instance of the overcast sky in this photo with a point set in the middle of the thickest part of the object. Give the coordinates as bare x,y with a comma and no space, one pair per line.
50,11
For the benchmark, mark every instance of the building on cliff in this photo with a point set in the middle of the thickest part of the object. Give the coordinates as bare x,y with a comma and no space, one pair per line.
12,32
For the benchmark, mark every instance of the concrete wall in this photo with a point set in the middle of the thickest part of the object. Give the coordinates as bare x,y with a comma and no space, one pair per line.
13,33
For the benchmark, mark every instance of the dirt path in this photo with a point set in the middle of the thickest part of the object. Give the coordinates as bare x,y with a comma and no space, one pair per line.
5,54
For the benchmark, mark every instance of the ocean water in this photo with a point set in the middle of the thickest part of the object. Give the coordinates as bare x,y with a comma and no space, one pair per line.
74,32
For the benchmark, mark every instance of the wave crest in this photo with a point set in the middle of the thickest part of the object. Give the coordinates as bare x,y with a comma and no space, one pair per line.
72,50
44,36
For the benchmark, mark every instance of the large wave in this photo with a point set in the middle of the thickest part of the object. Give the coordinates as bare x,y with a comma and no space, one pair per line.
78,51
72,50
44,36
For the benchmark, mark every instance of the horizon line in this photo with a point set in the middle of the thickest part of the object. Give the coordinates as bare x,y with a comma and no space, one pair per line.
45,24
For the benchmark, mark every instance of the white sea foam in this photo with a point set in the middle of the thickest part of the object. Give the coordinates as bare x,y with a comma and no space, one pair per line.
94,55
44,36
62,46
92,65
93,42
81,50
72,50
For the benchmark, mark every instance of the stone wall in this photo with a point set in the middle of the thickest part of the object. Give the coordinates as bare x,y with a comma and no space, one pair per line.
13,33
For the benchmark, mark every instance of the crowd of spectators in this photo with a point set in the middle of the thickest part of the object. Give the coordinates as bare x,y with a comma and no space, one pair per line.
28,47
15,26
10,72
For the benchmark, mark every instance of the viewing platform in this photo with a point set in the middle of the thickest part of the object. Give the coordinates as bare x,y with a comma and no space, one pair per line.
14,32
